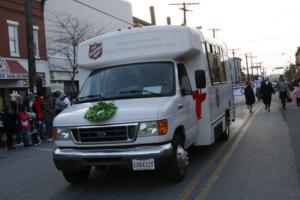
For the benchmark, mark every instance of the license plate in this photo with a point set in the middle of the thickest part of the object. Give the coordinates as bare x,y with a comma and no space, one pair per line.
143,164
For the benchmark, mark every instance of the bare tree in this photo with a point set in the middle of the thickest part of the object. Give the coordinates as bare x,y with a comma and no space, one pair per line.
65,34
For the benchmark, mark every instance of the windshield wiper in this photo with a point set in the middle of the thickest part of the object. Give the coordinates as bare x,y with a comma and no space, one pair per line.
91,98
139,91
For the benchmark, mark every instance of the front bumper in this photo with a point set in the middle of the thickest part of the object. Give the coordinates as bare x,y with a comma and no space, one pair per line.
79,159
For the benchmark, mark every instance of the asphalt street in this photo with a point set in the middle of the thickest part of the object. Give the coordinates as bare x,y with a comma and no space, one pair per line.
260,161
264,164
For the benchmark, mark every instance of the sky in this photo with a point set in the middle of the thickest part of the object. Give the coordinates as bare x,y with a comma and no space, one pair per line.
269,29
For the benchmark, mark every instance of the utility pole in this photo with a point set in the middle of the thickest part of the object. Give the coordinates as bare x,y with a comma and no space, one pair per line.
234,64
214,30
264,73
30,46
251,56
152,15
257,65
246,56
184,9
169,20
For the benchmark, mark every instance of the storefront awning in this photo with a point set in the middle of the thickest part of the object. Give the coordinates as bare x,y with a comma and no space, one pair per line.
12,69
15,67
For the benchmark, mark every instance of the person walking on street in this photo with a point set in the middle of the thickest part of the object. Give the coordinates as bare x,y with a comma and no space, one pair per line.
283,89
9,122
257,83
48,113
61,102
249,96
297,93
267,91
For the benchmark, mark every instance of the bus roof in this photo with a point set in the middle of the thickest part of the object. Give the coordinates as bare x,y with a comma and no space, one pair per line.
139,44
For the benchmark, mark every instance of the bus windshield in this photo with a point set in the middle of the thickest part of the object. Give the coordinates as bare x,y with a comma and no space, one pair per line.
138,80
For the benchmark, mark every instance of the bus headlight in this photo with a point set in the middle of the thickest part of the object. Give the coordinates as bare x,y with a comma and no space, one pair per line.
159,127
63,134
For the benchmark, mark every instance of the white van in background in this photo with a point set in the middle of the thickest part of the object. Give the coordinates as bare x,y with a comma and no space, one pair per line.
172,89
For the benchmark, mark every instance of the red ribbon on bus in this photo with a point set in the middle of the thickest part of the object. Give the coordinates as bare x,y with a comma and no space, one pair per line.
199,99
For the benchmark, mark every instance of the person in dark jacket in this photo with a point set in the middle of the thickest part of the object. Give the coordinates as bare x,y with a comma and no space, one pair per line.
249,96
48,113
267,91
9,122
283,89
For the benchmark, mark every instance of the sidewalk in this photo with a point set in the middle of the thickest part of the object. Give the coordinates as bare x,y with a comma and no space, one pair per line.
263,166
241,112
292,116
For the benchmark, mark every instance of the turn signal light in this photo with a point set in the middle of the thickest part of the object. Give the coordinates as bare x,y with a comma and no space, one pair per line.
162,126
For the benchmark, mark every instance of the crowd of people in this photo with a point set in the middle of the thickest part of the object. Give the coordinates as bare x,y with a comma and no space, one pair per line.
28,123
265,90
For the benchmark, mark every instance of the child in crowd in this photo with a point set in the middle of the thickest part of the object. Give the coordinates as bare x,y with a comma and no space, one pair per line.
25,126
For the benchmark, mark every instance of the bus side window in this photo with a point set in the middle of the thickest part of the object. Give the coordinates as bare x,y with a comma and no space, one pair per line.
184,82
222,66
203,48
216,63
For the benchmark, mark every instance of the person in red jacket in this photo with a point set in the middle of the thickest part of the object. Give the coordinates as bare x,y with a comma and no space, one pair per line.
39,122
25,126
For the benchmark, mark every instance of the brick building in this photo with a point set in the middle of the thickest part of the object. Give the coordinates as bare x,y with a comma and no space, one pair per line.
13,51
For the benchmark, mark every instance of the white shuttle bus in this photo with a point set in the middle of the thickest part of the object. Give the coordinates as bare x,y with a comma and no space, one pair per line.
150,93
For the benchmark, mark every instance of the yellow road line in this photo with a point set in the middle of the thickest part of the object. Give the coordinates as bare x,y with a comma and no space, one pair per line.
193,183
216,174
189,188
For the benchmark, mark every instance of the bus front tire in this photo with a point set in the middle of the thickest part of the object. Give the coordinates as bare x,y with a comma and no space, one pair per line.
76,177
179,160
226,134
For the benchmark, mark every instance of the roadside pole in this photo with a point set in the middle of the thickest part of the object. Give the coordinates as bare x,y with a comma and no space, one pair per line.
30,47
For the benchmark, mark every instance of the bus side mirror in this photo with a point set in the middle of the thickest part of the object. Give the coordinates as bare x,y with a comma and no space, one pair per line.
200,79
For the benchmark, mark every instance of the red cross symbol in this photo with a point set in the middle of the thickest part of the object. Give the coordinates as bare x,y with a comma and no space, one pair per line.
199,99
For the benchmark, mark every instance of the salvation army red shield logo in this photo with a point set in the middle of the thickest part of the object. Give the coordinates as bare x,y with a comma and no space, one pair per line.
95,51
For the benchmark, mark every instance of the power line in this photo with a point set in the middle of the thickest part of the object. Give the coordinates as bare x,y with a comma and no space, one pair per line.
105,13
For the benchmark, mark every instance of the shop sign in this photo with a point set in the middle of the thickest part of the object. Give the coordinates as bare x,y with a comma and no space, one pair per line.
13,76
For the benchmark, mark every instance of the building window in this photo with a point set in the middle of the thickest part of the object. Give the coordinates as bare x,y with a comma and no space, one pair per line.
36,41
13,38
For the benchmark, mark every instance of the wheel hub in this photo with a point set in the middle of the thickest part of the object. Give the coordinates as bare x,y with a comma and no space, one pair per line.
182,158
